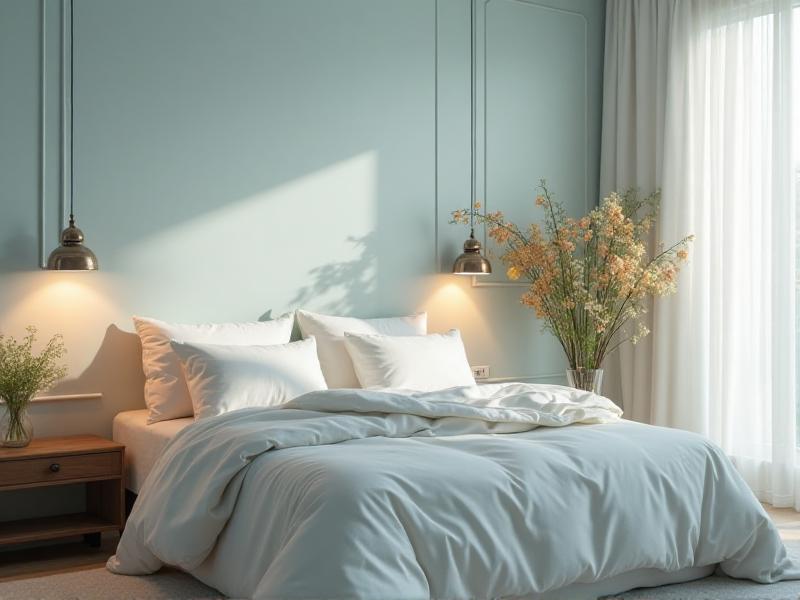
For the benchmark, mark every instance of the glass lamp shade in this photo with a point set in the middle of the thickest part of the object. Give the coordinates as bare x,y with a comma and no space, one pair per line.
471,262
72,255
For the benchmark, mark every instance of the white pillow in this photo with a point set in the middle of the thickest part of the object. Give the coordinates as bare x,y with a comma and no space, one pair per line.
421,362
165,391
329,331
226,378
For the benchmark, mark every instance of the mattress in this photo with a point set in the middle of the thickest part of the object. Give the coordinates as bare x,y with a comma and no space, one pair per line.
143,443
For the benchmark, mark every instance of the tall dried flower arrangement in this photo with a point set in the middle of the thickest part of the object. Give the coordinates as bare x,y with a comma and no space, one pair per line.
589,277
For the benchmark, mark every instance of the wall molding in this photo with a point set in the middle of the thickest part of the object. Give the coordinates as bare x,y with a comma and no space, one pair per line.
68,397
436,255
64,113
65,397
43,134
476,281
523,378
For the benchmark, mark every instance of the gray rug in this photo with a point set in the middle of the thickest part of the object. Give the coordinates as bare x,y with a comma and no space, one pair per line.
99,584
719,587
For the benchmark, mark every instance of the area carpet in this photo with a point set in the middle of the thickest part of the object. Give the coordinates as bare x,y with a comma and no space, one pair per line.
99,584
719,587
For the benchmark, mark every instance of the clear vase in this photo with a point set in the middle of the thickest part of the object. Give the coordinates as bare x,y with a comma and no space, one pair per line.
16,428
590,380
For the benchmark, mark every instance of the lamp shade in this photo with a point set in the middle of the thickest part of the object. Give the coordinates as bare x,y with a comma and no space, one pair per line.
71,254
471,262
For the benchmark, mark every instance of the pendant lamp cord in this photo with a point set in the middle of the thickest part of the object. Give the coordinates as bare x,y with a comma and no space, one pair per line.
471,116
71,113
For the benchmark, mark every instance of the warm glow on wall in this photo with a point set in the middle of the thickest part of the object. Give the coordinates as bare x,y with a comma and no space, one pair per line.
73,304
451,305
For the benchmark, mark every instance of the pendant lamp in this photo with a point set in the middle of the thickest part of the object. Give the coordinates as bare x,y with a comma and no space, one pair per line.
71,254
471,261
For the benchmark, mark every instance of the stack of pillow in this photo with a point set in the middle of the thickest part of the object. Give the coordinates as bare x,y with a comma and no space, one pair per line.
210,369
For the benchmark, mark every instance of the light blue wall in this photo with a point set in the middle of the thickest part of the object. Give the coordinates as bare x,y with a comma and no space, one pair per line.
239,159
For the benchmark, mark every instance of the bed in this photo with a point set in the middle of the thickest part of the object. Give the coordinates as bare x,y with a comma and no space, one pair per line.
143,442
512,490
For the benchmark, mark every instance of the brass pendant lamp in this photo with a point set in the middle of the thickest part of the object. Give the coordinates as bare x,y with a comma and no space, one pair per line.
71,254
471,261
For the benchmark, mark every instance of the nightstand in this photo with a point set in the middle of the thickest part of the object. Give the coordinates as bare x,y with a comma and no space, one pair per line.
88,459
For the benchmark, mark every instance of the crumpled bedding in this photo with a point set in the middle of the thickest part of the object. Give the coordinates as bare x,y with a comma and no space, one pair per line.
507,490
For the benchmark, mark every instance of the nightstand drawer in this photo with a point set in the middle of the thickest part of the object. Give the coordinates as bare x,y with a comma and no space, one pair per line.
60,468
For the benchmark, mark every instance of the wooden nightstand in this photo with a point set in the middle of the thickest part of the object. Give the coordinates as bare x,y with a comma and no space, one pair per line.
88,459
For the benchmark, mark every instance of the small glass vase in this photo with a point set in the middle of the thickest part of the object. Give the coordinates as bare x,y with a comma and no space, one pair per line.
16,428
590,380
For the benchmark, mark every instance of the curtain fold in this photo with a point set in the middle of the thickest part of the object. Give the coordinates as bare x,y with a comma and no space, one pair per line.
698,102
634,105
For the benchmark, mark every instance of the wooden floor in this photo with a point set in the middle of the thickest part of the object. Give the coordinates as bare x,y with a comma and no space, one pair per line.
56,558
76,556
787,520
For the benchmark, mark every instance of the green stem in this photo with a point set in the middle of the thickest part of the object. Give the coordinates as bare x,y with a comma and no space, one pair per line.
16,431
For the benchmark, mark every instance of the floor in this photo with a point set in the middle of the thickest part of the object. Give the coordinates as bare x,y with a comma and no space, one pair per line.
53,559
75,571
787,520
76,557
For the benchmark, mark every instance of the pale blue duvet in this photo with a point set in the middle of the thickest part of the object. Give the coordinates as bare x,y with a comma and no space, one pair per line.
495,491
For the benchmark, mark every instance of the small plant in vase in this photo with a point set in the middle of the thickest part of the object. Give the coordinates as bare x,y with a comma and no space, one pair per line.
589,278
23,373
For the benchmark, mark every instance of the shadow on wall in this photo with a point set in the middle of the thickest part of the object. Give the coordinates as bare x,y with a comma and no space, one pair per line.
115,368
346,287
340,287
115,371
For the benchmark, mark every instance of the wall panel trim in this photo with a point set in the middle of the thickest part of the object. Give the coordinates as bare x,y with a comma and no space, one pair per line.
476,283
66,397
43,134
436,258
524,378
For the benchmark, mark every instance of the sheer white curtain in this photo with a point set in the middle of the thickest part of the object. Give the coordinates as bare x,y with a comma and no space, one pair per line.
698,102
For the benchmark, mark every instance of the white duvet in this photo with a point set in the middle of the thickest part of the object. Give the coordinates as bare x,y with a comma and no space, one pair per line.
492,491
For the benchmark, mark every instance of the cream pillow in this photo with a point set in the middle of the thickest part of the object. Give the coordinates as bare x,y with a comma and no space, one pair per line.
421,362
225,378
329,331
165,391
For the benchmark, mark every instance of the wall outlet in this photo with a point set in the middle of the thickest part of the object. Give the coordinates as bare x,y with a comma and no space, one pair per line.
480,372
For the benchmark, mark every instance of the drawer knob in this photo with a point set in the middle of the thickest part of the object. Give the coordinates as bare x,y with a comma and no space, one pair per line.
55,467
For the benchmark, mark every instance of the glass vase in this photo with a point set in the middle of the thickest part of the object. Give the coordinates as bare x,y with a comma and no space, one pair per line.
16,428
590,380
